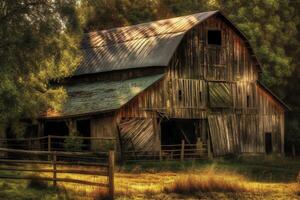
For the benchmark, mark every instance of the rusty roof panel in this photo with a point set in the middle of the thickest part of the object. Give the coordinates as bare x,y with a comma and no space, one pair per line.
142,45
101,96
143,52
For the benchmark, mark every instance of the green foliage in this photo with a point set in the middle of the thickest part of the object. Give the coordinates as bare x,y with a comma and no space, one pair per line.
39,42
37,183
108,145
272,26
73,144
104,145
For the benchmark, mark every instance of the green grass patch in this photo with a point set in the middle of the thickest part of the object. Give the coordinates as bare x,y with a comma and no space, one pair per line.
275,170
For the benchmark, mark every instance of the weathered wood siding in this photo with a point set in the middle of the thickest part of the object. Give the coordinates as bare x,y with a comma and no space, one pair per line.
102,127
184,91
138,134
199,76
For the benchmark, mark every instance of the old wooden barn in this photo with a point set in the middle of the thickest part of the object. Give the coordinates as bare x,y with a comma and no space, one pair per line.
193,78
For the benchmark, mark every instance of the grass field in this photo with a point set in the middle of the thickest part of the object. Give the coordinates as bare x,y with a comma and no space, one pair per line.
218,179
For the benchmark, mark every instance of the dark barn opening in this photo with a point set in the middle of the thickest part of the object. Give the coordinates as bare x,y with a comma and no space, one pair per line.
214,37
268,143
84,129
175,130
57,128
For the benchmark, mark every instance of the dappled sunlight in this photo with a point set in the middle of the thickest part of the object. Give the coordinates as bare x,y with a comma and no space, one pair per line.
135,89
161,180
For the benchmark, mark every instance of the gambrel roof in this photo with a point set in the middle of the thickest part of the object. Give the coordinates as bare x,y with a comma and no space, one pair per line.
138,46
143,45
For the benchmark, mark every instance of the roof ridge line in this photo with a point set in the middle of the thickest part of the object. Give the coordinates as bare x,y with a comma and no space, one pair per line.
145,23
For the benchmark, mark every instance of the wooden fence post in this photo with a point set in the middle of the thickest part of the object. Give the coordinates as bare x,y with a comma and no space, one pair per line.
209,149
49,146
182,150
293,151
29,144
54,168
160,156
111,166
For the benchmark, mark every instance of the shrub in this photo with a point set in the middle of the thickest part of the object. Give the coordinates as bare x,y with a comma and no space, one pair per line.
108,145
194,184
36,183
73,144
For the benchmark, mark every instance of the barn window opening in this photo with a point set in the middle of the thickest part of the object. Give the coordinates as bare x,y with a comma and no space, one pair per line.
84,129
180,95
214,37
268,143
248,101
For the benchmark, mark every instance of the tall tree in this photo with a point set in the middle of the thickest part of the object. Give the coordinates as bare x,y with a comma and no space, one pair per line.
39,42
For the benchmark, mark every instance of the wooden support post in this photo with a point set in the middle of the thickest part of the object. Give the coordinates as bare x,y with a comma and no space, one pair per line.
54,168
209,149
29,144
40,133
160,156
49,146
182,150
293,150
111,166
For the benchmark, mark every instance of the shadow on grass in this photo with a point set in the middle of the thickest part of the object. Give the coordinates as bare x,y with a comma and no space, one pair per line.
254,169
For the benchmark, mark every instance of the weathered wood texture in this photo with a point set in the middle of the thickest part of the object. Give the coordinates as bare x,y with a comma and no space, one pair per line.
184,91
199,78
138,135
103,127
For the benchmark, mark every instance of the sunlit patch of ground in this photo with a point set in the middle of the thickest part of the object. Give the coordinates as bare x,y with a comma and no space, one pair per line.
140,182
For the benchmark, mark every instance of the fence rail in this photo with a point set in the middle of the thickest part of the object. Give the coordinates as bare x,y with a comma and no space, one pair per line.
57,160
61,143
181,151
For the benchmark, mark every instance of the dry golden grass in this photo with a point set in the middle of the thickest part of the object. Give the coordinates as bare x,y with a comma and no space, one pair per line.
100,194
159,185
297,189
192,184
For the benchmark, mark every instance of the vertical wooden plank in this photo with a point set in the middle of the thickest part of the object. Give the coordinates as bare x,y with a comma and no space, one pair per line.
210,156
111,166
49,146
54,168
182,150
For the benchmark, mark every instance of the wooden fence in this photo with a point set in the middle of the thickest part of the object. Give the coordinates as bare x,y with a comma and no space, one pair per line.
181,152
10,162
60,143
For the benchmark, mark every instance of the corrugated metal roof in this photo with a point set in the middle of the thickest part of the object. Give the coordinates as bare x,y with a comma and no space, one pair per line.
142,45
101,96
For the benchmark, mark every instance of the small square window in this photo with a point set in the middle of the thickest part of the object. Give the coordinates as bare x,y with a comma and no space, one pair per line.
248,101
214,37
200,96
180,95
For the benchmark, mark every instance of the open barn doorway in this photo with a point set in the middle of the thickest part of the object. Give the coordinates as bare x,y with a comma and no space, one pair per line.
56,128
173,131
84,129
268,143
